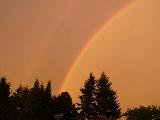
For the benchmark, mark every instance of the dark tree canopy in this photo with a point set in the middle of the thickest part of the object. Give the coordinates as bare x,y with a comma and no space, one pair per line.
65,107
25,103
106,99
19,98
87,99
98,101
4,99
4,90
143,113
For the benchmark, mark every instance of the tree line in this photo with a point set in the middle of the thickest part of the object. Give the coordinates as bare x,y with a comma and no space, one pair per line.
98,101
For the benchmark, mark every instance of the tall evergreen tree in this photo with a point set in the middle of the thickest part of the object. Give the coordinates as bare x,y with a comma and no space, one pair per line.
36,98
106,98
4,99
32,103
4,89
88,105
47,105
47,91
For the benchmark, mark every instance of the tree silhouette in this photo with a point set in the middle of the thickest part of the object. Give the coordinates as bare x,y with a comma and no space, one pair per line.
4,90
47,105
4,99
65,107
88,105
36,103
107,104
19,99
98,101
33,104
143,113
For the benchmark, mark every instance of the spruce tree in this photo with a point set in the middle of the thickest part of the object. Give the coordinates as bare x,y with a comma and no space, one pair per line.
88,105
4,89
32,103
36,98
47,105
106,98
5,107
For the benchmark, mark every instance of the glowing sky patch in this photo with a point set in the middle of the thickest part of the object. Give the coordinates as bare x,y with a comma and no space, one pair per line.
41,39
127,49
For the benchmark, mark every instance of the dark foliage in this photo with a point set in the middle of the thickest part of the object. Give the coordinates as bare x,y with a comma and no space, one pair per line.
36,103
88,104
143,113
65,106
32,104
98,101
106,99
4,99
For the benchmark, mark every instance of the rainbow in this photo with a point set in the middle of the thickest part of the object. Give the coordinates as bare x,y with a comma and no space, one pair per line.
90,41
46,41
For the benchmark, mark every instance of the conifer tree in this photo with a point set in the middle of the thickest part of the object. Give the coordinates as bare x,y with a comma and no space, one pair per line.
37,104
47,104
19,99
32,103
88,105
36,98
106,98
4,99
4,89
47,91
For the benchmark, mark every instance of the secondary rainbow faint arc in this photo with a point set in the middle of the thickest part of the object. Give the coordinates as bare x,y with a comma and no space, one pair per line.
44,44
90,41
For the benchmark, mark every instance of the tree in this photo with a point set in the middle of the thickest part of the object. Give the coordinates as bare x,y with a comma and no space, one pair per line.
41,102
143,113
88,105
4,90
107,104
33,104
18,100
4,99
65,107
47,105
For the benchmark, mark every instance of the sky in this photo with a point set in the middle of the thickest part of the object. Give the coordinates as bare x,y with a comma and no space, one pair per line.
127,49
63,41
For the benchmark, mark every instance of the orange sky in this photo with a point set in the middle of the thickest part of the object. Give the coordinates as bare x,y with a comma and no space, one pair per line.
127,48
64,41
41,39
